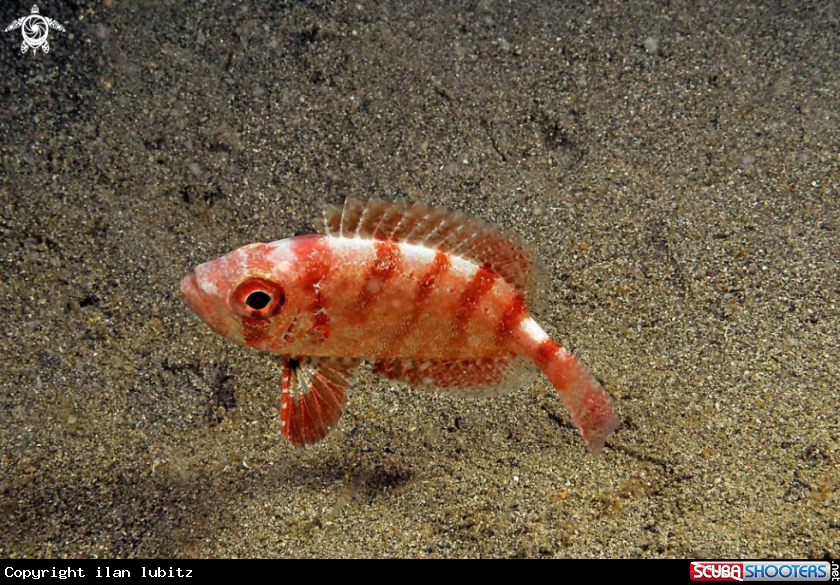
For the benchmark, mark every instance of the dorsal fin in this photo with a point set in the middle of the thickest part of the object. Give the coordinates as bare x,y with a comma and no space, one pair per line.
439,228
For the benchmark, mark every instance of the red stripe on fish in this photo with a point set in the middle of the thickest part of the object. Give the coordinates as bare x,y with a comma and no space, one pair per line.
546,352
388,259
482,282
514,315
440,265
315,256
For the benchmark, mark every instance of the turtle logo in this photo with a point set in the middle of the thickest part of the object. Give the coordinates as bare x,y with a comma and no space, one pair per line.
35,29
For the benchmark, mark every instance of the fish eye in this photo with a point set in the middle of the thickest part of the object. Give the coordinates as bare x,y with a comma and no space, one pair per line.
258,298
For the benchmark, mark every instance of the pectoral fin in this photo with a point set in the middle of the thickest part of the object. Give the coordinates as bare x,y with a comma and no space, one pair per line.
313,397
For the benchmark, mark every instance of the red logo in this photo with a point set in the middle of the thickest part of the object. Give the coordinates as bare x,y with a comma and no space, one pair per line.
717,571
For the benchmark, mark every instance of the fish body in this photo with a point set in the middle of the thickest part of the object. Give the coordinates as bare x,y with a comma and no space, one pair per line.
431,297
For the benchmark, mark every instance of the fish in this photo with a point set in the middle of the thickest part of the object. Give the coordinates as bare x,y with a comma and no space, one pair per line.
428,296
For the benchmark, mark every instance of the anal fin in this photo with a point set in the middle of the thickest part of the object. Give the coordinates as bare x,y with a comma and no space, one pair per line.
477,377
313,397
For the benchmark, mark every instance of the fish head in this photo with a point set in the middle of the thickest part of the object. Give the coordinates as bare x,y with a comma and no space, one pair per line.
243,295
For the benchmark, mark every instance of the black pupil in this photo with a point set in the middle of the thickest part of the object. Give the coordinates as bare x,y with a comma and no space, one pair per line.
258,300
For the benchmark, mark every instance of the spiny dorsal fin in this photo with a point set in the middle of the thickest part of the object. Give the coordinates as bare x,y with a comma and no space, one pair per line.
439,228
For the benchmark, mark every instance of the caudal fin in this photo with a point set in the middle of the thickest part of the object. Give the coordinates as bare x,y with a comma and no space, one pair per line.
591,408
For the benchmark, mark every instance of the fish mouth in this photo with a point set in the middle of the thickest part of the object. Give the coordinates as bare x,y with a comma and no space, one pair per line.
191,292
203,305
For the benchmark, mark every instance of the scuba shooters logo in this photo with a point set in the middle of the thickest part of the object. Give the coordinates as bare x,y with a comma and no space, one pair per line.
764,571
717,571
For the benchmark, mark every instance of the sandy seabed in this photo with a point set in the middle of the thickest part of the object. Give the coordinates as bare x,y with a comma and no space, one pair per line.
675,166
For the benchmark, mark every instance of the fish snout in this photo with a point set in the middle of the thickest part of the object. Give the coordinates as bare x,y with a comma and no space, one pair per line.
205,304
191,292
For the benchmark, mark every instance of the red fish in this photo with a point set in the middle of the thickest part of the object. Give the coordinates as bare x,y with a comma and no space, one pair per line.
431,297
